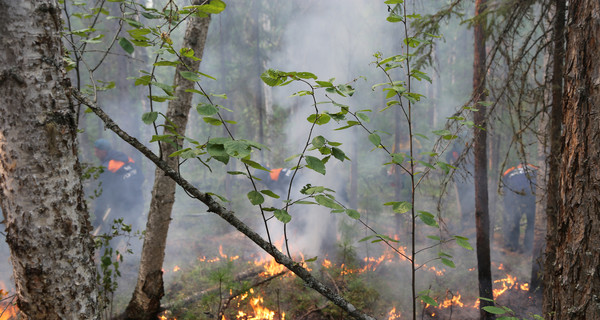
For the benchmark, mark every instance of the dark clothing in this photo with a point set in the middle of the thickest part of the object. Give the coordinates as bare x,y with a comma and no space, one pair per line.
519,200
121,183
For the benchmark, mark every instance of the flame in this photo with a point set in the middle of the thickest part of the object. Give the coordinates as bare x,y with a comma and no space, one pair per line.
454,301
177,268
392,315
271,267
507,283
326,264
501,267
260,312
165,316
7,309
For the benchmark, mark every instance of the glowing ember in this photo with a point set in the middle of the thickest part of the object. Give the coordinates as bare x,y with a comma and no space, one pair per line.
176,269
501,267
166,316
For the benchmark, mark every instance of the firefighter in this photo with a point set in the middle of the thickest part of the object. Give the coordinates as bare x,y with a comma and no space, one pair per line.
121,188
277,180
519,200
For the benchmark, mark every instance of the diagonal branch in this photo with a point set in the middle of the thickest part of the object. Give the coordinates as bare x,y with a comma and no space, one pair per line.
225,214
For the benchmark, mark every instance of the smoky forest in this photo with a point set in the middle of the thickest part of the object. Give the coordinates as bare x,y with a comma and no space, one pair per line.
299,159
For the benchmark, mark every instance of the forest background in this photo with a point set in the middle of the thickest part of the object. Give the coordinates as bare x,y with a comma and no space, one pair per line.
339,41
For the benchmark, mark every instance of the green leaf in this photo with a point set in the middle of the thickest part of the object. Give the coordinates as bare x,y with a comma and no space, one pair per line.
397,158
163,137
435,238
338,153
149,117
494,310
363,117
318,141
143,80
428,300
428,218
213,121
448,262
165,87
353,214
205,109
319,119
399,206
237,148
306,75
325,84
327,202
255,197
375,139
270,194
282,216
463,242
315,164
189,75
126,45
254,164
166,63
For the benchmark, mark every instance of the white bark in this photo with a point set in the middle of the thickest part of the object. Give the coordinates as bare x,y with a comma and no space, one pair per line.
40,187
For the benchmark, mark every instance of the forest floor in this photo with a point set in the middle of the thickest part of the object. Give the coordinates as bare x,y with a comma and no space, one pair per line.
224,276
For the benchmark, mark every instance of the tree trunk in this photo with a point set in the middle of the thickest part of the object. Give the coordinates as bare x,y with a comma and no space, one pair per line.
482,218
145,302
47,225
573,282
553,195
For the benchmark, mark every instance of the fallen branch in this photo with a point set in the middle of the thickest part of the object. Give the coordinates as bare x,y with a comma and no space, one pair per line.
225,214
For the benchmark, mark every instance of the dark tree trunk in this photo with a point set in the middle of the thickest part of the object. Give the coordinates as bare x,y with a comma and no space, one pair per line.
573,279
482,218
553,195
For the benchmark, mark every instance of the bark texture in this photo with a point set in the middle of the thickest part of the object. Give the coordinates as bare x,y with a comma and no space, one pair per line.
482,216
574,286
145,302
47,225
554,165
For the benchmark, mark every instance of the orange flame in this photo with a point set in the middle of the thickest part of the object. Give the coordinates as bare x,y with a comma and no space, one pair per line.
177,268
7,310
326,264
260,312
392,315
454,301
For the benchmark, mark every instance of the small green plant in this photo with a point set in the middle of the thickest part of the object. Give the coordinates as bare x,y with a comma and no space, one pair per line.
112,248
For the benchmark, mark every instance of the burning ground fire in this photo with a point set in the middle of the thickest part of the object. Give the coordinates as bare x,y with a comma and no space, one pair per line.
7,309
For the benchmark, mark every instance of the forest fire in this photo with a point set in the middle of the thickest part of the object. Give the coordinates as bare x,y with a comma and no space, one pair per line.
7,309
259,312
393,315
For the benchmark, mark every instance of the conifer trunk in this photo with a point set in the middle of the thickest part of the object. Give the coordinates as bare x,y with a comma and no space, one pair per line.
482,218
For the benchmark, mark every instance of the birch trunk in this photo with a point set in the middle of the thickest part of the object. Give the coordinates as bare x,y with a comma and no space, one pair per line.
47,225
